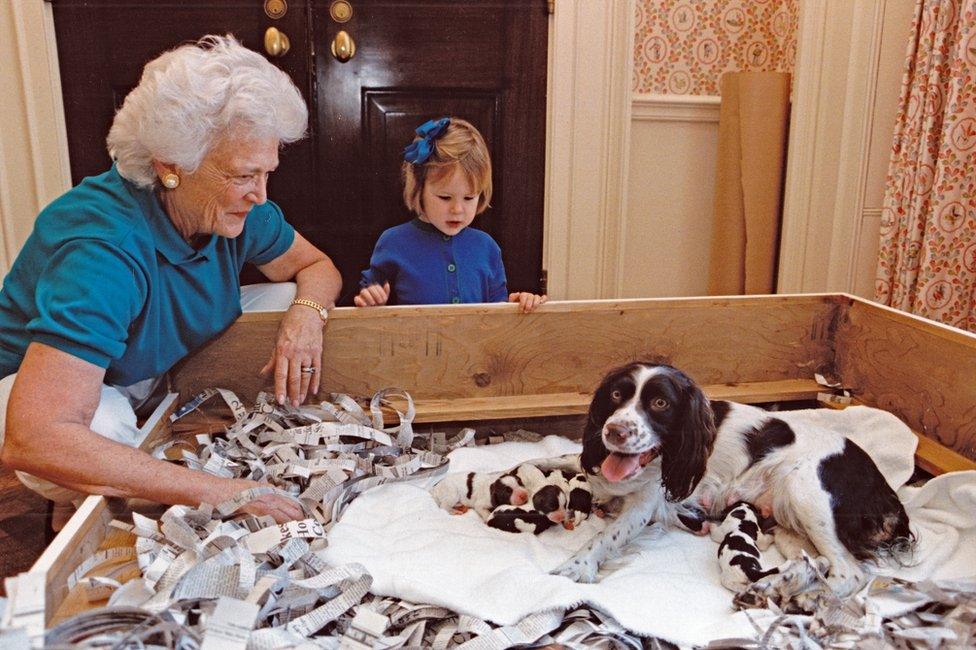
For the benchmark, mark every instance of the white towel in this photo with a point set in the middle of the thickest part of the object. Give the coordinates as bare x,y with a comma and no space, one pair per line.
667,582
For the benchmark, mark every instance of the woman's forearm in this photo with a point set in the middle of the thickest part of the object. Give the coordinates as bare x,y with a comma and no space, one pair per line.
319,281
75,457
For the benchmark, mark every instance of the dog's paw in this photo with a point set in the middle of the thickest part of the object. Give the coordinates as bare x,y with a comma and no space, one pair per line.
845,583
757,595
577,570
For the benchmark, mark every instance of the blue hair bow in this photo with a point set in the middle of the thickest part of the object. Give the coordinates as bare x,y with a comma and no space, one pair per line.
418,151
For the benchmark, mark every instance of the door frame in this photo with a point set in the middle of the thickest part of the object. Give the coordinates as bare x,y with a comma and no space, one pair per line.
34,166
830,144
591,59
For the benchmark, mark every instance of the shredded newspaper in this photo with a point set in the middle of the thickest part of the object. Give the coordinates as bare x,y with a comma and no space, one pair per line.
217,579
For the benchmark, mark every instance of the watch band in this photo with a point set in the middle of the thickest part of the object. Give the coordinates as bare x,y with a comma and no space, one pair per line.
323,312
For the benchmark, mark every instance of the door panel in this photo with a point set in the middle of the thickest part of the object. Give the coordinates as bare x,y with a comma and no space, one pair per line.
484,61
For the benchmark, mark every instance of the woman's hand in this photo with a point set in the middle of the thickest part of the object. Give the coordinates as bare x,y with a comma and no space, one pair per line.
373,296
297,356
299,343
278,506
527,301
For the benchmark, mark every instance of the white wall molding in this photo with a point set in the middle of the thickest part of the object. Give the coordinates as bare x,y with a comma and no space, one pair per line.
800,161
33,143
830,143
675,108
588,133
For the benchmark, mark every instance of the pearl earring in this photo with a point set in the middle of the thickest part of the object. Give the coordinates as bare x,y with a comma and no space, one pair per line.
171,181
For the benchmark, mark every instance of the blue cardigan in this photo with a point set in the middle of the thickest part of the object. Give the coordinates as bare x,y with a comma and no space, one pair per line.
426,267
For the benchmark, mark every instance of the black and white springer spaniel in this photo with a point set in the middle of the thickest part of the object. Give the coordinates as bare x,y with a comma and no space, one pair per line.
653,439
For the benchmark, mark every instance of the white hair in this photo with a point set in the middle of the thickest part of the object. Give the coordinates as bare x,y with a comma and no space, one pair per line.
192,96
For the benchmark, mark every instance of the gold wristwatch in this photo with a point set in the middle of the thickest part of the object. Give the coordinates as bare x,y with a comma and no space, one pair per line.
323,312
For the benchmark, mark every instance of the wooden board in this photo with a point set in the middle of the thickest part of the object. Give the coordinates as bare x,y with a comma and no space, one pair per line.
923,372
557,404
467,351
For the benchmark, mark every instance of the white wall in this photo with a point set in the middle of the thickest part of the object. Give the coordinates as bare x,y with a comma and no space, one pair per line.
851,59
668,231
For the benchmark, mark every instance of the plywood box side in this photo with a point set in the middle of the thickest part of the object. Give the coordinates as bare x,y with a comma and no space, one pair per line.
470,351
920,370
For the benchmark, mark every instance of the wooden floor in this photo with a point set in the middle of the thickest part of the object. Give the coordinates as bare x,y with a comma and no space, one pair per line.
22,522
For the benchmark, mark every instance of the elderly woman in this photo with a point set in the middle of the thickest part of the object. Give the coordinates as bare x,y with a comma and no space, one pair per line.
131,270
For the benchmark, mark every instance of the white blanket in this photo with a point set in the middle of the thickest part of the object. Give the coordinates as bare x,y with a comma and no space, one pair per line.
666,584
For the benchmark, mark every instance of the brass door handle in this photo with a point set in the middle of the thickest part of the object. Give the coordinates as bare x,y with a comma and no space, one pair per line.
343,47
275,42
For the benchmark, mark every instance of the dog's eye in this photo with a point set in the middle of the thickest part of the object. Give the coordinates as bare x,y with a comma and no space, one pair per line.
659,404
616,395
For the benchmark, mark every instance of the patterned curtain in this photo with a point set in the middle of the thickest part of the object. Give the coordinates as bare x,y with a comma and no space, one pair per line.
927,259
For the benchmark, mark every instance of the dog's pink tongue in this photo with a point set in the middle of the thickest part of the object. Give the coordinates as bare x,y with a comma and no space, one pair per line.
619,466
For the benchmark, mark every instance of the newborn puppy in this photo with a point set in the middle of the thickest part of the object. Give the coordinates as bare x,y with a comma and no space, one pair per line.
508,489
515,519
580,499
531,476
480,491
552,497
741,539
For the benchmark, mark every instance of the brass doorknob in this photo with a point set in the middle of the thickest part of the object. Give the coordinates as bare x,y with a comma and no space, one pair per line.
343,47
275,42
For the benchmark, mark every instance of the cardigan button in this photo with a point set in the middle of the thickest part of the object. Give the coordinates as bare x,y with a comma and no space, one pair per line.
451,268
455,300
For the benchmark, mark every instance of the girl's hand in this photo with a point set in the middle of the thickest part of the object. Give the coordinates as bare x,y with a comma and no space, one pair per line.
527,301
373,296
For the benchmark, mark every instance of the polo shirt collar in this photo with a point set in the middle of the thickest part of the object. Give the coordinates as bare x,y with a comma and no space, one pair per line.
167,239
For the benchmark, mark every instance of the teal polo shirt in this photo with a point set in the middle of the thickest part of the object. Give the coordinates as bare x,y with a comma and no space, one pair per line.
106,277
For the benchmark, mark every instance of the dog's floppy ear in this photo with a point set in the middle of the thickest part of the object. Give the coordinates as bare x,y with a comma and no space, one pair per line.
686,448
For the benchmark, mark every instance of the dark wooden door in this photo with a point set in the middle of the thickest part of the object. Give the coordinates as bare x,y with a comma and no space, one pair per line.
484,60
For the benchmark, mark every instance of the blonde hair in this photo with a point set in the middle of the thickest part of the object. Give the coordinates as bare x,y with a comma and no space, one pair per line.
191,97
459,146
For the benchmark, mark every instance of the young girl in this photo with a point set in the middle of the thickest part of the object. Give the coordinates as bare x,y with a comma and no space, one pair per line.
436,258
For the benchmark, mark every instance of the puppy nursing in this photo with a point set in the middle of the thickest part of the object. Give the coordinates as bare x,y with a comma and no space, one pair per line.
740,539
674,457
479,491
522,500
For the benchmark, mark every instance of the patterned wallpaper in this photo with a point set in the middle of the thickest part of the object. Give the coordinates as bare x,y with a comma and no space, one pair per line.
682,47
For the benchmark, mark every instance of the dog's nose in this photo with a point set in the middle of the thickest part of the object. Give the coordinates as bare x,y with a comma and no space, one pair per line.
616,433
